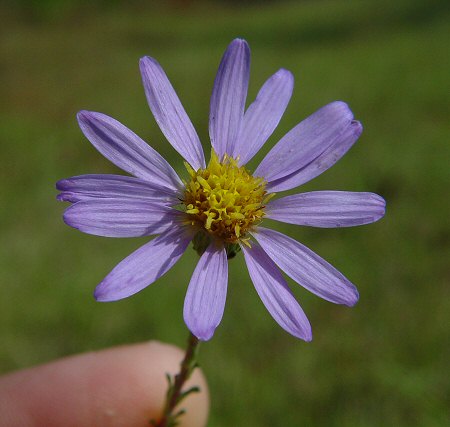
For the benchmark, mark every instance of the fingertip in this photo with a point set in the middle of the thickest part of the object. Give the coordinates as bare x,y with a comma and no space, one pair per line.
123,386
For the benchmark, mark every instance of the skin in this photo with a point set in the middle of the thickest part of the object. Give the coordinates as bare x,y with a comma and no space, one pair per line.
122,386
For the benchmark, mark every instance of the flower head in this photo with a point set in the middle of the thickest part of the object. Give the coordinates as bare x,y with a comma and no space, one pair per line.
221,205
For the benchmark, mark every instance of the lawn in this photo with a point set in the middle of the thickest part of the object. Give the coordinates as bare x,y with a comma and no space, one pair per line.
383,362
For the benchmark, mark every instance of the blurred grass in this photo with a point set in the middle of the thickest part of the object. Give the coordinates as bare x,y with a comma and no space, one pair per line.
384,362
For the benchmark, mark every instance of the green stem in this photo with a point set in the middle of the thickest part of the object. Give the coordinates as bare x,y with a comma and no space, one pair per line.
175,393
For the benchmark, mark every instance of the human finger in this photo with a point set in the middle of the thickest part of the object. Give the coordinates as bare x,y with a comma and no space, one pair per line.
122,386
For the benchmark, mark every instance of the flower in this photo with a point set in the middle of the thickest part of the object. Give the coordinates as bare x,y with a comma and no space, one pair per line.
221,205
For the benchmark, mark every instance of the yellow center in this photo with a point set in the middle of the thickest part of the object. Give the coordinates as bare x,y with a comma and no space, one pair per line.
224,199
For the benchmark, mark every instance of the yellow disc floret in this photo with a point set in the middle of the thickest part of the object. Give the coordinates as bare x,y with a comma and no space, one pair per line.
224,199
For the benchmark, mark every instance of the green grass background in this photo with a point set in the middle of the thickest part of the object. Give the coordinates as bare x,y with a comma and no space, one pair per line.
383,362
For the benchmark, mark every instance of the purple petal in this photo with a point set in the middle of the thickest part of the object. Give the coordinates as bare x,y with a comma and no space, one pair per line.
340,145
170,114
307,268
121,218
275,293
126,150
328,209
264,114
305,142
206,294
228,98
93,187
143,266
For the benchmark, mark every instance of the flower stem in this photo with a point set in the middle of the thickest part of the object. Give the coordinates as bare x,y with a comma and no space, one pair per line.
175,394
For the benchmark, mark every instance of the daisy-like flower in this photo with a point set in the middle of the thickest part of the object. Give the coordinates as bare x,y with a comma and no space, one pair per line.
221,206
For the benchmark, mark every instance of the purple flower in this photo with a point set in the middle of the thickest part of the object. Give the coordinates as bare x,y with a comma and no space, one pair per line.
221,205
